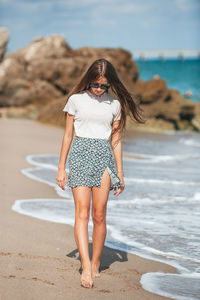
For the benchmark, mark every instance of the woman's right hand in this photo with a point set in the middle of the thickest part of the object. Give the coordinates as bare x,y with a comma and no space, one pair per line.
61,178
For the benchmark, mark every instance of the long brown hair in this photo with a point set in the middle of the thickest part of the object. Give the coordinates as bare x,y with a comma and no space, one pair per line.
129,103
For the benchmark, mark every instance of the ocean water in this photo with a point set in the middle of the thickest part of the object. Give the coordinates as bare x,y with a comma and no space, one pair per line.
158,214
179,75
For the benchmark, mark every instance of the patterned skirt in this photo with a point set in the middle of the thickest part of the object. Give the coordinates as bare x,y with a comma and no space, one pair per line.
88,159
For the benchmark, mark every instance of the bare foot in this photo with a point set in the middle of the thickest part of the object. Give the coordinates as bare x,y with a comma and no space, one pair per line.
95,270
86,279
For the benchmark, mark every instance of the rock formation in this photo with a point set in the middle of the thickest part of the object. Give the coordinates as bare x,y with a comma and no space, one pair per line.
35,79
4,37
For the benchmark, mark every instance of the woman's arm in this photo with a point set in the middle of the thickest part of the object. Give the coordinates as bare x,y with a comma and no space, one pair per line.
66,144
117,151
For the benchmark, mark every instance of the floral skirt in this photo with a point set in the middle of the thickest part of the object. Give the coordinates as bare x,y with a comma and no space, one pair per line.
88,159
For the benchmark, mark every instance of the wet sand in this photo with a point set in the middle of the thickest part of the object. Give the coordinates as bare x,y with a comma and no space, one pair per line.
39,259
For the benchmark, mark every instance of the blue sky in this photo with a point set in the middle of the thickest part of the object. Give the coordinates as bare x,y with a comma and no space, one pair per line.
130,24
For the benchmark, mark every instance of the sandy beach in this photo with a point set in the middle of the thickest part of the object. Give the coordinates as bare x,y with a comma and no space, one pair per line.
39,259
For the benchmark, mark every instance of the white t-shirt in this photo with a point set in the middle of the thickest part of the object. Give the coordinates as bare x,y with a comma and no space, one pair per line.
93,116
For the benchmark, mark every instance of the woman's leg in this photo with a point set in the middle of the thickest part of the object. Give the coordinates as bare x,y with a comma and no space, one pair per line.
82,196
99,204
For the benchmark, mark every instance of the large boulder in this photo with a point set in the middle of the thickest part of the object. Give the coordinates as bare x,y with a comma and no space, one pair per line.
152,91
51,59
53,46
65,72
10,69
4,37
52,113
169,105
20,92
62,72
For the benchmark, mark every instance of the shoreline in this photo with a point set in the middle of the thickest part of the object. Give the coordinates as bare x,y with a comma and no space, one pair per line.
40,258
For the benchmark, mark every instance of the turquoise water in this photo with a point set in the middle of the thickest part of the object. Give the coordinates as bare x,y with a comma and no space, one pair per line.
180,75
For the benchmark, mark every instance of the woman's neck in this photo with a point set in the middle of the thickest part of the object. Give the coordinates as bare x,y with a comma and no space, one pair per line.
98,96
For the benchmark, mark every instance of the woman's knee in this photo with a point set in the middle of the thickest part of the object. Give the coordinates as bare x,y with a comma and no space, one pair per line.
98,217
83,215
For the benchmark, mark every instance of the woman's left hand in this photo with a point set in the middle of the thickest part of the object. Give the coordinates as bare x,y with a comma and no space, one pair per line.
119,190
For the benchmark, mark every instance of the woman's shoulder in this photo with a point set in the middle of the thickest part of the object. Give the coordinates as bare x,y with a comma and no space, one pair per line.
76,96
114,100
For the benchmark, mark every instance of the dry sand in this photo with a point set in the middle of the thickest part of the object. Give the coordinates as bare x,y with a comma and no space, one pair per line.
39,259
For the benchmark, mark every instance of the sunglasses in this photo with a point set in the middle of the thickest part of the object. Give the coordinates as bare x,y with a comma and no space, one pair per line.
101,86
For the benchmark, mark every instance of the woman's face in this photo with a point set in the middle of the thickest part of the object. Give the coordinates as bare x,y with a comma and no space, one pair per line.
98,91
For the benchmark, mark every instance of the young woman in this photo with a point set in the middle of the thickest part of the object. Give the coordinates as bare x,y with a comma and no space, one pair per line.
95,159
